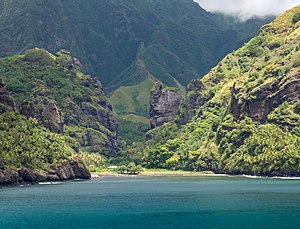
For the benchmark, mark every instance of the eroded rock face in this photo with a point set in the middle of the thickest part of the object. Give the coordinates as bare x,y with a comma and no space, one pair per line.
6,101
93,112
9,177
164,105
51,118
43,108
65,171
28,109
265,100
79,169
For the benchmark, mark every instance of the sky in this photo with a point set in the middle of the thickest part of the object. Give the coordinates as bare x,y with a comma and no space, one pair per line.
245,9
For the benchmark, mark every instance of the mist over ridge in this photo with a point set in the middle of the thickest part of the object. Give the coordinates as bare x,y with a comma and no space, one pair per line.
246,9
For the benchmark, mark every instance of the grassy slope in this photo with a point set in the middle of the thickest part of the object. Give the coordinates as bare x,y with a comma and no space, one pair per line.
132,99
131,104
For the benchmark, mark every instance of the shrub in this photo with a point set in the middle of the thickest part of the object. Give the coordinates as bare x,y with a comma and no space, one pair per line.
297,108
40,56
296,18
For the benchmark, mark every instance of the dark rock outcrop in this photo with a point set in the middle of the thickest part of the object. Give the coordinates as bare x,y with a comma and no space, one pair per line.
28,109
261,103
79,169
65,171
6,101
70,169
234,107
43,108
93,113
2,165
9,177
28,175
164,105
51,118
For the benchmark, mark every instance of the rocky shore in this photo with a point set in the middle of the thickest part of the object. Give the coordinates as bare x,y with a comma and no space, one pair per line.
69,169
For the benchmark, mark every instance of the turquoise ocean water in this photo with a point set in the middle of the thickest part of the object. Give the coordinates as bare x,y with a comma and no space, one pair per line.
152,202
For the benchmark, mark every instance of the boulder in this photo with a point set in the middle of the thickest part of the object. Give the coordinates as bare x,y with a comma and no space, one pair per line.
65,171
28,175
79,169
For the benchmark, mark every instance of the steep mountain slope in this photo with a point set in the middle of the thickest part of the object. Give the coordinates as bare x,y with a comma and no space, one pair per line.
30,153
243,116
52,89
126,43
106,35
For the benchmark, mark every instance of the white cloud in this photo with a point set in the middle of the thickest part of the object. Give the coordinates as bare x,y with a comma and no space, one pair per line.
245,9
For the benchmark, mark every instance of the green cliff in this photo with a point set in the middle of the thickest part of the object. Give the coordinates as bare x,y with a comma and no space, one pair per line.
53,90
243,116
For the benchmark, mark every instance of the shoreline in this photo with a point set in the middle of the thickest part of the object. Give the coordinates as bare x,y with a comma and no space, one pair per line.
100,175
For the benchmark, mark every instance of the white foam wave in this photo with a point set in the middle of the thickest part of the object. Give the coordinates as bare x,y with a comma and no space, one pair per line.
49,183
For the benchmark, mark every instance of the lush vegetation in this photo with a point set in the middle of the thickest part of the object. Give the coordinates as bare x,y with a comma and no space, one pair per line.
24,143
118,29
93,161
126,42
38,73
18,72
130,169
218,140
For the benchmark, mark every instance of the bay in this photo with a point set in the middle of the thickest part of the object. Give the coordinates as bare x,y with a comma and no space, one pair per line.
154,202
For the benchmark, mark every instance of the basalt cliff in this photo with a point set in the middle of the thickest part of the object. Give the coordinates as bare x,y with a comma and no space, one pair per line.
49,111
25,156
53,90
164,105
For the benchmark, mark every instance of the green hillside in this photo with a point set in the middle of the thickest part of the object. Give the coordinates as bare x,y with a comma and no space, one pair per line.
246,112
52,89
181,40
125,42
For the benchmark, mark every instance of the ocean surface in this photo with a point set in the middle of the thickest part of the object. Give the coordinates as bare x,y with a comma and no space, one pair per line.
154,202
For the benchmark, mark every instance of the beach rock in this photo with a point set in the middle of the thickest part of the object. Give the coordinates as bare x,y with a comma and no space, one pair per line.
28,175
65,171
79,169
8,177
